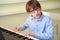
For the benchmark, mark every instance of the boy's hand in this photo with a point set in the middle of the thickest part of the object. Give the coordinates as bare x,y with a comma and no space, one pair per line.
17,29
29,34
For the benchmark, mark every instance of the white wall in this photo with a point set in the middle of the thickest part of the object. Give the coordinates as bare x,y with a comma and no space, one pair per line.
17,6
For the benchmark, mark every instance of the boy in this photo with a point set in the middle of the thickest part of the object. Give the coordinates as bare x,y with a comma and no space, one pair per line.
40,26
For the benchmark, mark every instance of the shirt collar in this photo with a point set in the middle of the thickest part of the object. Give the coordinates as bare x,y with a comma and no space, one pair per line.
40,18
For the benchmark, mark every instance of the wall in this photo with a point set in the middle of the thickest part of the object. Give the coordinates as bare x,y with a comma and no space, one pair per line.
13,7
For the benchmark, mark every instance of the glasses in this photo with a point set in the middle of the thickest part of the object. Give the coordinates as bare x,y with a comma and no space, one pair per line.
36,10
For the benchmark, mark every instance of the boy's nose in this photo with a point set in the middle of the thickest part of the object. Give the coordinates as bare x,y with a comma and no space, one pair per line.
35,11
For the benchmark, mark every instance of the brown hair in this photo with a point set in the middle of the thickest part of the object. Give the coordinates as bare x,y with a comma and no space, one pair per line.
34,4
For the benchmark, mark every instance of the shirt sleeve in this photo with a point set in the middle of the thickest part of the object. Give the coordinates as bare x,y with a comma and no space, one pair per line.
25,24
48,31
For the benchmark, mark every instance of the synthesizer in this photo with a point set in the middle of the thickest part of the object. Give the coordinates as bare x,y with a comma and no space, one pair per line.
9,34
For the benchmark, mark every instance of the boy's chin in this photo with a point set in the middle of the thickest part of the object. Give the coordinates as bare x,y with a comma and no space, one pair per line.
37,17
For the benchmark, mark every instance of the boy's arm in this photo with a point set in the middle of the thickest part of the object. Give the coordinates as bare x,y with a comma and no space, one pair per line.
48,32
25,24
21,27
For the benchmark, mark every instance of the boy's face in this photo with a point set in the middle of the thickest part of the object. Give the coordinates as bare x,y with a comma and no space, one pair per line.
35,13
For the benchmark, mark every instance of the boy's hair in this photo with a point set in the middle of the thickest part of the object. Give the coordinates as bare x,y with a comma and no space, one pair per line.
34,4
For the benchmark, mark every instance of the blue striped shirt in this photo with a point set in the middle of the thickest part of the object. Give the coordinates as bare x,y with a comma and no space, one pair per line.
42,28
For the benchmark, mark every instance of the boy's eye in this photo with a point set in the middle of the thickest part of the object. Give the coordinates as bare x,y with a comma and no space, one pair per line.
31,10
35,9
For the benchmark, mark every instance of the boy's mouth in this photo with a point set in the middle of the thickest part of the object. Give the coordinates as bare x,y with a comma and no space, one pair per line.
37,14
